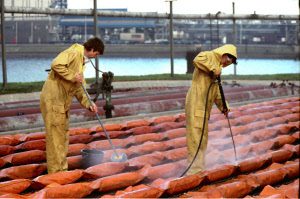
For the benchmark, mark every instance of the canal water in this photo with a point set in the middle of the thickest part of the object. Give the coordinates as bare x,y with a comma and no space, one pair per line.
33,69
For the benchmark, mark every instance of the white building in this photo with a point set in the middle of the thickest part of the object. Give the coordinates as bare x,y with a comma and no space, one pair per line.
28,3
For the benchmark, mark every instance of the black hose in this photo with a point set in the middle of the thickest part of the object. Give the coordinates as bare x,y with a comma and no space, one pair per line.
203,127
95,67
98,85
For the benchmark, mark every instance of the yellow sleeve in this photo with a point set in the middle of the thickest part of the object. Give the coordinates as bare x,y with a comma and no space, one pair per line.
61,65
82,98
219,103
205,62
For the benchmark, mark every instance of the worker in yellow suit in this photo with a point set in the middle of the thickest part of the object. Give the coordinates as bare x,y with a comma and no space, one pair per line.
208,65
63,83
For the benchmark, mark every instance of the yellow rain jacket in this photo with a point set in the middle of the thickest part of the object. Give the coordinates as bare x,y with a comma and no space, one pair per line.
204,62
55,100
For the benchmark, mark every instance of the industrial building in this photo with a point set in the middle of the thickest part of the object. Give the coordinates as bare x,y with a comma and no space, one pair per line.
41,28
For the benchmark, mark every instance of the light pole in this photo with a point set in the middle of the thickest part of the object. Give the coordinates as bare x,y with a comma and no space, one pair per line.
171,37
234,34
85,31
210,28
4,72
96,32
218,39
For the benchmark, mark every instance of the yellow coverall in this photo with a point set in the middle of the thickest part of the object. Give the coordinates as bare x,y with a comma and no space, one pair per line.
55,100
204,62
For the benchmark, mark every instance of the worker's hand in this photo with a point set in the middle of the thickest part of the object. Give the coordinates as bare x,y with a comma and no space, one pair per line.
93,108
217,72
78,78
226,112
213,74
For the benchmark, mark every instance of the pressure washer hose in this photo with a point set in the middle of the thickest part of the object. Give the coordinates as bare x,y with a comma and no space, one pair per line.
98,70
199,145
204,121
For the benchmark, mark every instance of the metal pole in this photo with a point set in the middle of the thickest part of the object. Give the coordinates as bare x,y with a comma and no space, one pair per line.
218,44
16,32
234,34
297,31
31,33
13,5
210,28
218,39
4,72
96,34
85,32
171,39
286,32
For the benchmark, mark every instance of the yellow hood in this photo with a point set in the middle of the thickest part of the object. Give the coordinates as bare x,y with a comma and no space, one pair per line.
226,49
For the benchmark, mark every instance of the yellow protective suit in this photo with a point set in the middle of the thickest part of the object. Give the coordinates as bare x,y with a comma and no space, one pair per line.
204,62
55,100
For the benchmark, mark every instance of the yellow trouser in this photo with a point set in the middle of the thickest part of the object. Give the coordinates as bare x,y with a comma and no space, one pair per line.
57,137
193,139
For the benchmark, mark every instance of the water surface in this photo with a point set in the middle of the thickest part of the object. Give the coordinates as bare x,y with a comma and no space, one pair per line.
33,69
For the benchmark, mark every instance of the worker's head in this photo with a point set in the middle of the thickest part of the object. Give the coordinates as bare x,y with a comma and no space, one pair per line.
227,54
93,47
228,59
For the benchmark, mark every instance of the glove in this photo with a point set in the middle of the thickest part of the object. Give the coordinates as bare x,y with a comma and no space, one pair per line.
225,112
214,73
211,74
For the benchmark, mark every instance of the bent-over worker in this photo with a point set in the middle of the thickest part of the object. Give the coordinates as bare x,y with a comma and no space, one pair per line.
63,83
208,65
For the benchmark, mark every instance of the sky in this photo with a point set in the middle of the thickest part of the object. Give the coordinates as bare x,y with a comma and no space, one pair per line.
275,7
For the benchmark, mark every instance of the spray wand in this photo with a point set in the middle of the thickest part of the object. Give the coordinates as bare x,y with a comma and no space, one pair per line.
122,157
225,112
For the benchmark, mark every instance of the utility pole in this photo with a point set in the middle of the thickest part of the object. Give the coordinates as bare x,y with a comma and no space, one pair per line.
85,27
96,33
234,34
210,28
171,37
218,32
4,72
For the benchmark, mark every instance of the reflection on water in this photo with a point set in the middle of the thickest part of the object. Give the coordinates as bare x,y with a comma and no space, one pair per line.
33,69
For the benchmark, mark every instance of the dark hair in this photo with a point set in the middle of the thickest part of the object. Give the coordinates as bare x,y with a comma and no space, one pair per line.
94,43
233,58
